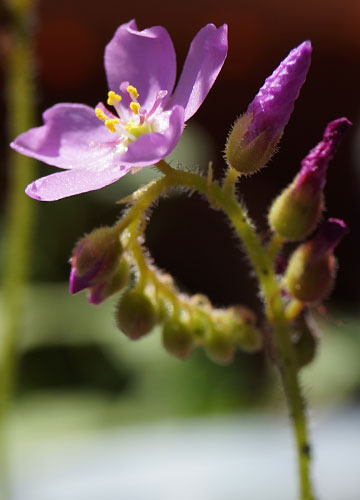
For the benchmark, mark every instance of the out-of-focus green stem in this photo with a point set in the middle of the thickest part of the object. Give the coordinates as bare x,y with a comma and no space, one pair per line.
19,214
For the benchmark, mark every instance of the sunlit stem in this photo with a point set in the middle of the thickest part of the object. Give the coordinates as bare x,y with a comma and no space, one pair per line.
19,216
263,262
231,177
275,245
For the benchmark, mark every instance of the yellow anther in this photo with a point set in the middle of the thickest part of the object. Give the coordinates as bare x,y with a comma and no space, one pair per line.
100,114
113,98
134,94
135,106
111,124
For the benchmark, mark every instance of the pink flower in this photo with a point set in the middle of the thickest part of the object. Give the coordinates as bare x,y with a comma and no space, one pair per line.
98,147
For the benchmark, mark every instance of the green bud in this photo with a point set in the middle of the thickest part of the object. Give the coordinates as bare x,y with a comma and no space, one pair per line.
135,314
311,269
295,213
243,329
244,156
200,324
219,346
177,338
309,280
248,338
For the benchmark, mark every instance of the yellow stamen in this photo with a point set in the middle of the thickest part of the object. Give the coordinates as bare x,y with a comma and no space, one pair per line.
111,124
134,94
135,106
100,114
113,98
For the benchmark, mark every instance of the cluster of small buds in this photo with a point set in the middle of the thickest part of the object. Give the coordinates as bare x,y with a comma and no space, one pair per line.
100,264
297,211
186,321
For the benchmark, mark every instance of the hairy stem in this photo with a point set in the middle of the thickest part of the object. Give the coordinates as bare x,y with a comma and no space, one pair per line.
262,261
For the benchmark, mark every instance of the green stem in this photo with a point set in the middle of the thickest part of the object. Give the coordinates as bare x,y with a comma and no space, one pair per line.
275,245
19,212
262,261
231,177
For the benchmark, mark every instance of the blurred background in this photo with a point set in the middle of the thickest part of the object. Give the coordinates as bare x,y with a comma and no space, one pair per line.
91,408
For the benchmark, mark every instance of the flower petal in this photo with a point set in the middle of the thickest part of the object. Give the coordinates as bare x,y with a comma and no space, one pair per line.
145,58
148,149
62,184
71,137
203,63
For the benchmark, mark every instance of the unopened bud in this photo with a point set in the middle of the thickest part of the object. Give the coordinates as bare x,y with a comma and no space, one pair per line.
311,269
219,345
296,211
115,283
243,328
94,258
135,314
177,338
255,135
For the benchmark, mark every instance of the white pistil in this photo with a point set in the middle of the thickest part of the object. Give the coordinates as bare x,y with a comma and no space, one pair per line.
133,121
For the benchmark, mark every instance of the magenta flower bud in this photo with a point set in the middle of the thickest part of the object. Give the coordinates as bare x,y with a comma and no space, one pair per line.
327,238
296,211
311,270
314,165
115,283
255,135
95,259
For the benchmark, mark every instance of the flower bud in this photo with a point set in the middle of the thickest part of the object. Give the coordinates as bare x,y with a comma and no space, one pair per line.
311,269
95,258
135,314
177,338
255,135
114,284
219,345
244,331
296,211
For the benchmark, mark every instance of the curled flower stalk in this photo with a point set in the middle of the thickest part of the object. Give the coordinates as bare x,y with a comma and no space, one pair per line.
139,125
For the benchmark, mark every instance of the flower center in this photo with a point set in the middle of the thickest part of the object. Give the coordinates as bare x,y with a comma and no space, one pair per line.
131,120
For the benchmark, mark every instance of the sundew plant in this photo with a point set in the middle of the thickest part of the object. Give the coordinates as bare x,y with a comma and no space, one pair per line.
138,125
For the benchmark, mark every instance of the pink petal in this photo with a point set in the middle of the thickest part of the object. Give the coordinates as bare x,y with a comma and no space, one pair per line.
62,184
203,63
71,137
148,149
146,59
